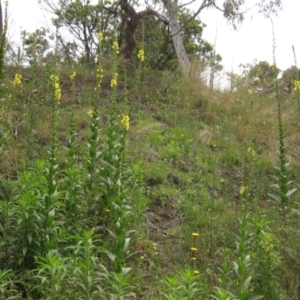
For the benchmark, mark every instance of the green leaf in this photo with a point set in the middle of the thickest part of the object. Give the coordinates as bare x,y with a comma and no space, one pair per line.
125,271
51,213
247,282
290,192
29,237
275,197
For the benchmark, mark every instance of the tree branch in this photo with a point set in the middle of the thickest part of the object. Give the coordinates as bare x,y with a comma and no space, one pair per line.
182,5
155,13
203,5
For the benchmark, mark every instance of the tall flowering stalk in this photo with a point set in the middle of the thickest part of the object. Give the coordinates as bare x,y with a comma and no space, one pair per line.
282,174
48,204
248,191
296,83
71,202
194,250
115,204
94,155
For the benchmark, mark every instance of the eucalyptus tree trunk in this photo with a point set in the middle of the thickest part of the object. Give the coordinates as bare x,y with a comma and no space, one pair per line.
1,19
183,59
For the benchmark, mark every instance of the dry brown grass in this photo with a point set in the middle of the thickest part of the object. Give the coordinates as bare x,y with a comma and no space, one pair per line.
143,130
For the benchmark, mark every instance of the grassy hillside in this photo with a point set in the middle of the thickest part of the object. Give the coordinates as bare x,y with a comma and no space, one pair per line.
180,201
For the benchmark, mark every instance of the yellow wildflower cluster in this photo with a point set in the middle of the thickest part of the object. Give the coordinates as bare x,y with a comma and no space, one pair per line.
57,91
242,190
296,85
17,80
141,55
99,75
250,91
90,113
100,36
115,46
73,75
125,122
251,151
114,80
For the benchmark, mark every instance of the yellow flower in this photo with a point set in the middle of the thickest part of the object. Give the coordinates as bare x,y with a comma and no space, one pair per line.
17,80
242,190
114,80
194,249
194,258
73,75
250,91
115,47
195,234
57,91
222,180
90,113
296,85
251,151
196,272
141,55
125,122
107,210
100,36
99,76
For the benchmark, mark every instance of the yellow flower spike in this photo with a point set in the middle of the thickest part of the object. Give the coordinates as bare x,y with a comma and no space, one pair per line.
100,36
99,76
90,113
73,75
57,91
251,151
114,80
296,85
125,122
17,80
141,55
195,234
242,190
194,249
115,47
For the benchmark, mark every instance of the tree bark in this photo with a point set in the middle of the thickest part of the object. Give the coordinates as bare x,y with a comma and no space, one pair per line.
131,24
183,59
1,19
132,20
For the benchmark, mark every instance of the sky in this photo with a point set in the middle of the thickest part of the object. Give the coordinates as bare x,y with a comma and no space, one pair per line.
253,40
